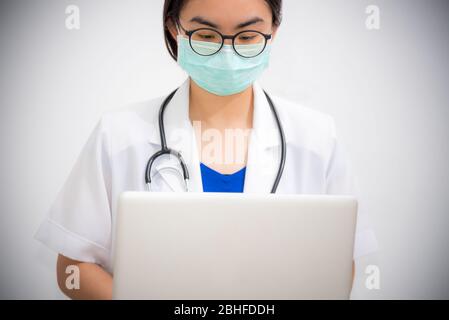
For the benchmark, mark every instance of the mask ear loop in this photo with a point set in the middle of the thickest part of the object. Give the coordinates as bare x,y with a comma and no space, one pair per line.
179,35
178,30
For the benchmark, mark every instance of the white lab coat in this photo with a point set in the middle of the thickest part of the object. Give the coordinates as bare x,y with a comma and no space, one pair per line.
81,222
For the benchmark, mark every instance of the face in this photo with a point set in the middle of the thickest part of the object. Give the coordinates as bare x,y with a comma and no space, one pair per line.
228,17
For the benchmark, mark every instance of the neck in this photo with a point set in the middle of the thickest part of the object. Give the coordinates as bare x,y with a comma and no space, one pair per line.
235,111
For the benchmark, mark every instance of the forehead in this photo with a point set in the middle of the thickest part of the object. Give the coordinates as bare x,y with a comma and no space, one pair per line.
226,12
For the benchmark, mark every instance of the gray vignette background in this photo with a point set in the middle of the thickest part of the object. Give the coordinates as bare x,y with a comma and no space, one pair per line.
387,90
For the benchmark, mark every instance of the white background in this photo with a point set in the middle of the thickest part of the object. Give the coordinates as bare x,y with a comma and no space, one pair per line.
387,90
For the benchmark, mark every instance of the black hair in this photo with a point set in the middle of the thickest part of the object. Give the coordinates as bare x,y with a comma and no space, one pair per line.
172,10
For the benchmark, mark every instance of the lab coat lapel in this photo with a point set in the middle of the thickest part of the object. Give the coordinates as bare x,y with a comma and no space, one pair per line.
180,136
264,147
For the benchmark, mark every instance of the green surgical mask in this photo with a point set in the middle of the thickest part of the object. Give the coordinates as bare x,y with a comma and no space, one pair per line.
224,73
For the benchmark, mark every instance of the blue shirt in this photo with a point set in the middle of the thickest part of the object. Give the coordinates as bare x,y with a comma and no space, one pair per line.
214,181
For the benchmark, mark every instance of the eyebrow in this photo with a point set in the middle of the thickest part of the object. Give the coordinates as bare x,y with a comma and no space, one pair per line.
208,23
249,22
201,20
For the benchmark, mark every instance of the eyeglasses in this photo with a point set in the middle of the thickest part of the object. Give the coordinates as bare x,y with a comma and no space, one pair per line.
207,41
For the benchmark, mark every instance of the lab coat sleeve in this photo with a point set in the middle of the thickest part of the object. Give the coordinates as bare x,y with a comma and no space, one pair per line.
340,180
78,224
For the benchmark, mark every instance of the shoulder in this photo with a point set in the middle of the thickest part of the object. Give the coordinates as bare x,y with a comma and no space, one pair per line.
136,117
129,125
133,115
305,126
309,118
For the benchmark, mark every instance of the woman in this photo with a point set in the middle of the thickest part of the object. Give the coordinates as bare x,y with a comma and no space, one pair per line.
219,120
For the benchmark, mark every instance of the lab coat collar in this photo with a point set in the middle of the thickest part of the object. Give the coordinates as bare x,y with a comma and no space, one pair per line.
263,149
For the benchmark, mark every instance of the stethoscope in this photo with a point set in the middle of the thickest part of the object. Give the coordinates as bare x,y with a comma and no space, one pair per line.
165,150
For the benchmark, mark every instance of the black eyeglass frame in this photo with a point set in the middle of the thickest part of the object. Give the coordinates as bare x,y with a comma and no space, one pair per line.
189,33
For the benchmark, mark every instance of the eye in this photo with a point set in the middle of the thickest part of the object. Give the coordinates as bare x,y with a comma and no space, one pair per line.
207,36
247,38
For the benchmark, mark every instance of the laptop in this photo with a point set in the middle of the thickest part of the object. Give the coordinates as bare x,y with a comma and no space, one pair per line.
233,246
